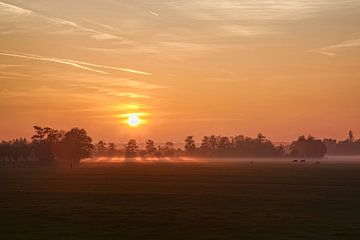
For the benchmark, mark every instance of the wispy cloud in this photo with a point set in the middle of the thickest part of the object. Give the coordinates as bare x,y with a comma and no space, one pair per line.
55,60
96,34
100,24
154,13
332,50
256,9
110,89
12,9
2,66
245,31
118,91
137,84
5,74
109,67
132,95
77,64
63,22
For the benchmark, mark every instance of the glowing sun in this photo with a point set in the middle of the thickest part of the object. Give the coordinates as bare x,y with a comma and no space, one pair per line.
133,121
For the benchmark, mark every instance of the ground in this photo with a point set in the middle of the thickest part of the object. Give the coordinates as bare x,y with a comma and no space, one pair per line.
217,200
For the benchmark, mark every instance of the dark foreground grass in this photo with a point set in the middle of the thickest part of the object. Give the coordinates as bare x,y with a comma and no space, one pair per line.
181,201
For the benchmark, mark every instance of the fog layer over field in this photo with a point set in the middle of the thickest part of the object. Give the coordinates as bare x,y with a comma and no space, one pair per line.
327,159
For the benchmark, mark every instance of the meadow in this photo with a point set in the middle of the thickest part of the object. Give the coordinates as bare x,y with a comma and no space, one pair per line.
266,199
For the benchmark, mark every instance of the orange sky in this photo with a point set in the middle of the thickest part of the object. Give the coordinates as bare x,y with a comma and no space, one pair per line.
283,68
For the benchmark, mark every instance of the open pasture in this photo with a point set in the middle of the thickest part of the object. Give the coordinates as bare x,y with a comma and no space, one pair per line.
202,200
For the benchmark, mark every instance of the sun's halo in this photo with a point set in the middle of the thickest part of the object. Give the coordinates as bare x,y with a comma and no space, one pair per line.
133,121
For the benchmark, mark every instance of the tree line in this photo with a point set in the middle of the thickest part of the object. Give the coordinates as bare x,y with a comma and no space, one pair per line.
349,146
49,145
216,146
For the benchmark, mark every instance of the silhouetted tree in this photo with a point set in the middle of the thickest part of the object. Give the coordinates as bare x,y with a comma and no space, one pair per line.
22,148
331,145
308,147
75,145
205,147
150,147
3,151
111,149
46,141
237,143
6,149
349,146
351,136
209,145
224,146
131,148
239,146
101,147
168,150
190,146
213,144
260,138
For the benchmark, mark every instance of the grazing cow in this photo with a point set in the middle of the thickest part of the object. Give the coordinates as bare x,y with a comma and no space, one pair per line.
302,161
295,161
251,162
317,163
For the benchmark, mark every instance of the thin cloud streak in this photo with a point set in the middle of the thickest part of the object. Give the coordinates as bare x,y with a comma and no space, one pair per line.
329,50
154,13
98,35
110,67
108,90
76,64
256,9
14,9
2,66
41,58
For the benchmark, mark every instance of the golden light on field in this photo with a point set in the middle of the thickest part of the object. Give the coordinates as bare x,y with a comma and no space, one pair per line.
133,121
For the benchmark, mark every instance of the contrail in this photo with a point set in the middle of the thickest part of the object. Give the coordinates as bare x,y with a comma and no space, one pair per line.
331,50
40,58
73,63
110,67
15,9
98,35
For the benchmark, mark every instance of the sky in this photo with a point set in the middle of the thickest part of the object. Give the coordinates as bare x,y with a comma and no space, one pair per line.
282,68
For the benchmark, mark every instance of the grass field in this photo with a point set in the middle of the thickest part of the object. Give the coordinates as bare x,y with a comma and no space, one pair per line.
230,200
